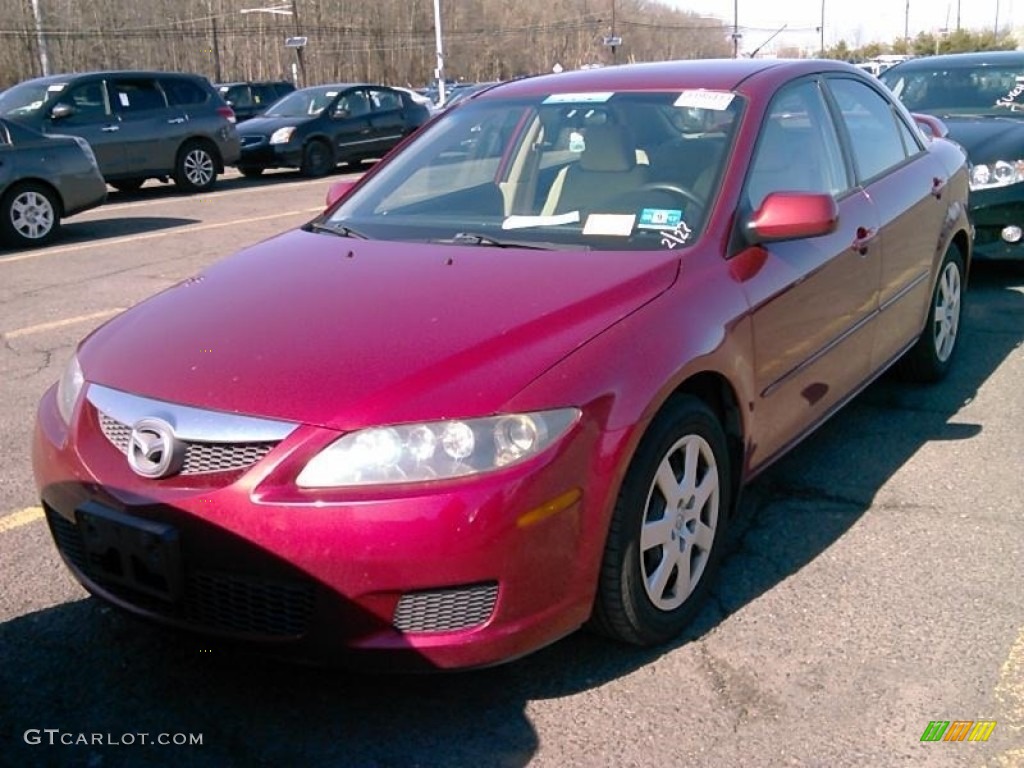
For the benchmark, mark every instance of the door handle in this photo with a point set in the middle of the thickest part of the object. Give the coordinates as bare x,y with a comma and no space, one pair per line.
863,239
176,121
110,128
938,184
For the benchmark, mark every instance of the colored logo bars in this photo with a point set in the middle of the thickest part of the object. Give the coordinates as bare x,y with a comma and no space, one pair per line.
958,730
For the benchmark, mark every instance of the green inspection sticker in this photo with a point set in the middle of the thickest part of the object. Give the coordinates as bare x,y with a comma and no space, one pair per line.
659,218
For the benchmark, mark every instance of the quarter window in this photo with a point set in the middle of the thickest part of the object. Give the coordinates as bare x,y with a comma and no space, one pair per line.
184,93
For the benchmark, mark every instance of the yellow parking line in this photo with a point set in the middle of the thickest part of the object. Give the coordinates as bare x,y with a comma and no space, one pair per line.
28,330
18,519
151,236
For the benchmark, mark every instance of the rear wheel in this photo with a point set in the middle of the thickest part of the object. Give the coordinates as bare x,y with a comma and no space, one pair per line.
196,167
664,541
317,159
929,359
29,215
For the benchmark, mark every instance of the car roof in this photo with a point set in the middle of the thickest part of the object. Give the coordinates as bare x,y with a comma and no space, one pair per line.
69,76
954,60
713,74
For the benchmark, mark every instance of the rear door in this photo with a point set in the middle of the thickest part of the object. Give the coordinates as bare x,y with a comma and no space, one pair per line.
350,125
149,129
813,300
388,124
905,183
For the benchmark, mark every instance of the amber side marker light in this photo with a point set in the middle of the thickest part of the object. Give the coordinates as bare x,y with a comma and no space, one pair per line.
553,507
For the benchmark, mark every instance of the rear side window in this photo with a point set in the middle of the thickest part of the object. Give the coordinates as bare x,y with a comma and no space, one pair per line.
385,101
264,94
873,126
237,95
136,95
185,93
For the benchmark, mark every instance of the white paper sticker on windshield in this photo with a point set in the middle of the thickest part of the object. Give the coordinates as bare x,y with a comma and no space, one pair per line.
56,87
614,224
123,98
525,222
579,98
702,99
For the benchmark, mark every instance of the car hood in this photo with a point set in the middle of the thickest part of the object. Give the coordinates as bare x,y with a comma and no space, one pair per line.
987,139
264,126
348,333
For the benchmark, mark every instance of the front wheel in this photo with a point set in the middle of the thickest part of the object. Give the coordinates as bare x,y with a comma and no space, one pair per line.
664,541
30,215
196,168
316,159
930,357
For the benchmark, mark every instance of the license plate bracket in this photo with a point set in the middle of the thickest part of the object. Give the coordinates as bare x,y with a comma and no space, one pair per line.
142,555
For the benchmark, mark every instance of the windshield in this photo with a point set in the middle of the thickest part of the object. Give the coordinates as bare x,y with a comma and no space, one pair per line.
27,98
974,90
613,171
308,102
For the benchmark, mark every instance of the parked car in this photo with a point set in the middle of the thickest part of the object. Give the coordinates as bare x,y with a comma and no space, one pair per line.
463,91
980,98
314,129
251,99
42,180
512,381
141,125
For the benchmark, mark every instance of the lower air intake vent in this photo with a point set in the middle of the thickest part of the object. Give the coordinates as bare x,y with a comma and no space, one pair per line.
446,610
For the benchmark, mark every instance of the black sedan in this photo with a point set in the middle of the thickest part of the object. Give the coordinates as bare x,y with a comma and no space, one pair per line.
43,179
314,129
980,98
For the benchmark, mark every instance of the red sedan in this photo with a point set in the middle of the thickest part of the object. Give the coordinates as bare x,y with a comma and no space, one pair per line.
512,382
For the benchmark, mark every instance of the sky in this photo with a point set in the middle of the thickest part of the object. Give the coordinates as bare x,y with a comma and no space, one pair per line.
857,21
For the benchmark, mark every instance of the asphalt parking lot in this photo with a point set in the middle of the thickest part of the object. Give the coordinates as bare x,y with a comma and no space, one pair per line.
872,585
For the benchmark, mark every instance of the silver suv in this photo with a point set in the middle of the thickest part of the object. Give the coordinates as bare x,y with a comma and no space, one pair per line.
141,125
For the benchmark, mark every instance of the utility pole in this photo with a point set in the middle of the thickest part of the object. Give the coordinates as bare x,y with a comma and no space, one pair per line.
957,15
44,56
823,28
216,52
906,26
613,46
736,29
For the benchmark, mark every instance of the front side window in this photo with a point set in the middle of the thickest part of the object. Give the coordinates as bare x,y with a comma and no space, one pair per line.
559,170
798,150
88,102
872,125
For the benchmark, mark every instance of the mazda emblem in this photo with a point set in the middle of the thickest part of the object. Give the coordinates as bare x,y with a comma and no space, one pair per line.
153,451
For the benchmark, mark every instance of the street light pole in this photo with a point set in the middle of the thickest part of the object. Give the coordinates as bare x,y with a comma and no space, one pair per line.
299,48
823,28
439,69
736,29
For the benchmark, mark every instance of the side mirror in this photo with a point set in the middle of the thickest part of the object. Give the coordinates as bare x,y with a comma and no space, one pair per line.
60,111
337,191
791,216
931,126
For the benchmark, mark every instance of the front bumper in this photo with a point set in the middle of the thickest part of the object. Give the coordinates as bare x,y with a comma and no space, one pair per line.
991,210
436,578
257,152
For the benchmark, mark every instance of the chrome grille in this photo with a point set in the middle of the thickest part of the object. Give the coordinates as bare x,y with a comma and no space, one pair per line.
445,610
200,457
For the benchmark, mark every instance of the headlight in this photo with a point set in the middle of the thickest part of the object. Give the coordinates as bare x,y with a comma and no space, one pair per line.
282,135
998,174
410,453
69,388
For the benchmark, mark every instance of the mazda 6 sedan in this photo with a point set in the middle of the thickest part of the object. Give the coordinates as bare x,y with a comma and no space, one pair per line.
511,382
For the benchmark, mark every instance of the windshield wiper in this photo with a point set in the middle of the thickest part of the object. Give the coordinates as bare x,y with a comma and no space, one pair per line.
337,229
475,238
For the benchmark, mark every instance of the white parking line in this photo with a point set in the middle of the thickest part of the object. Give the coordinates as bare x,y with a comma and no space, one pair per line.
61,323
150,236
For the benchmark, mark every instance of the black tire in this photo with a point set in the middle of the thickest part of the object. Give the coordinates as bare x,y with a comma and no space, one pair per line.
250,171
633,603
127,185
195,169
317,159
930,358
29,215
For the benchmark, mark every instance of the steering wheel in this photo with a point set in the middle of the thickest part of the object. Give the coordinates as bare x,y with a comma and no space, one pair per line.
667,186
